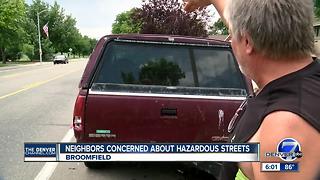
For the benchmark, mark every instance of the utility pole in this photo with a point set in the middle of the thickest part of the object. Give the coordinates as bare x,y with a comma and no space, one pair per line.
40,50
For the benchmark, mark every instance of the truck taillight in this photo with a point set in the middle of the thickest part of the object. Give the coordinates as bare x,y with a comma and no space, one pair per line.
77,121
78,116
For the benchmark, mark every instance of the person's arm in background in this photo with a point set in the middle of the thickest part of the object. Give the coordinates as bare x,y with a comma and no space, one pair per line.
192,5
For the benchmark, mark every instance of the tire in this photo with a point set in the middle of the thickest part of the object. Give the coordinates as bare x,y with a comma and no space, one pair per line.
95,165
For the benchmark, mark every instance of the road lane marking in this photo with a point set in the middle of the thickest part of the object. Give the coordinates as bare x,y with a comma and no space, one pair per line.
36,84
49,167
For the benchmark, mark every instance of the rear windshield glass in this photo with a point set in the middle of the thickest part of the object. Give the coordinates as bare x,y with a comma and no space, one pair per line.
168,69
59,56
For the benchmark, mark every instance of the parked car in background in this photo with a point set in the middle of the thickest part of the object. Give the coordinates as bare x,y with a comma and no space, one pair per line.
158,89
59,59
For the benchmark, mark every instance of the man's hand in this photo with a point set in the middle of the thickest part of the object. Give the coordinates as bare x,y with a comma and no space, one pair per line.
192,5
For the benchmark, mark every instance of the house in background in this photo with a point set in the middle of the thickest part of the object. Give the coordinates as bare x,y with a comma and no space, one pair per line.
220,37
316,27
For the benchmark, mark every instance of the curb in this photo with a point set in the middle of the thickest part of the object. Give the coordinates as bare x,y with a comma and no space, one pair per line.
21,66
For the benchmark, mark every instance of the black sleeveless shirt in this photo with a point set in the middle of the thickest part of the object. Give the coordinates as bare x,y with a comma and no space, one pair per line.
297,92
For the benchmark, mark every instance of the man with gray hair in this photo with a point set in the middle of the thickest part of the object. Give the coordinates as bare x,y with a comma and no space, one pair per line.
273,41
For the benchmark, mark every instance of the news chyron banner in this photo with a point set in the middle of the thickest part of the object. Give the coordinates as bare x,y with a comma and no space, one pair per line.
65,152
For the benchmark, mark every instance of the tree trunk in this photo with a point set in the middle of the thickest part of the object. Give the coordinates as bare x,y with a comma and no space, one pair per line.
3,55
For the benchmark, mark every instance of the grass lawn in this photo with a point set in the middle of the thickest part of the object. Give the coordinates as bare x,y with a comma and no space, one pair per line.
15,63
3,65
27,61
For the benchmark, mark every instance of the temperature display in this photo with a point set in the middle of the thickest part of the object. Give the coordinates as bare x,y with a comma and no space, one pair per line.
280,167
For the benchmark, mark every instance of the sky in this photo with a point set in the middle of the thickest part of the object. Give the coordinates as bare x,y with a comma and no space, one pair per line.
95,17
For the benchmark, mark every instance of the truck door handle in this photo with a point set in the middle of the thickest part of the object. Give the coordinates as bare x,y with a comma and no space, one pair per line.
168,112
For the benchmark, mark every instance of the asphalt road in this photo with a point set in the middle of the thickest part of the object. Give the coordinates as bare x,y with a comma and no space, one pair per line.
36,105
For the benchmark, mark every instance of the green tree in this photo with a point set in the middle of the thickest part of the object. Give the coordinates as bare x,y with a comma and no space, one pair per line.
28,50
83,45
17,46
19,33
32,28
31,37
317,8
80,45
69,35
219,28
168,17
86,45
160,72
12,15
93,43
63,33
125,23
56,28
47,49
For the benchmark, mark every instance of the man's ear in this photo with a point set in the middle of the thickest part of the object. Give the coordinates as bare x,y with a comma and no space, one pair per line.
248,44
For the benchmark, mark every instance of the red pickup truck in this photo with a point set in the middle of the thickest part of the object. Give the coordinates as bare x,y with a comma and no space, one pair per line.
157,88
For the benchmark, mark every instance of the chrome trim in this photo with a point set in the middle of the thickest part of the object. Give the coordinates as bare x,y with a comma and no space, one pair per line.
172,43
166,95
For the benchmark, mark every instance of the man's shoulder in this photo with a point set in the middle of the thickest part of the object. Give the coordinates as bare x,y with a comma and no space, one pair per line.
279,125
286,123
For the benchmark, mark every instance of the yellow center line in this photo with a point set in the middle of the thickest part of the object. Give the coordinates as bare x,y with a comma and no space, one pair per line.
36,84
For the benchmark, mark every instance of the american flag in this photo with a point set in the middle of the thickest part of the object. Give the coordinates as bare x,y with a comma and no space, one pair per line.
46,29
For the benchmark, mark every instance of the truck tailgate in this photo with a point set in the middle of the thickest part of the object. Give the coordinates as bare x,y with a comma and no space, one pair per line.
130,118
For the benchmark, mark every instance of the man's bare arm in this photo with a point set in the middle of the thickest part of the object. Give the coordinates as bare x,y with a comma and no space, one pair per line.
282,124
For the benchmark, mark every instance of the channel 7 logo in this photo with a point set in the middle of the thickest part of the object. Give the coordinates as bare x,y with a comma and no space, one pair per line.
288,149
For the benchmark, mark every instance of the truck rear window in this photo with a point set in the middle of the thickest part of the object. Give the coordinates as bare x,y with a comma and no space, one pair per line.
168,69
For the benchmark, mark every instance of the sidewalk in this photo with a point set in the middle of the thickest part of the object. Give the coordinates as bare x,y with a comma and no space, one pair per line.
17,66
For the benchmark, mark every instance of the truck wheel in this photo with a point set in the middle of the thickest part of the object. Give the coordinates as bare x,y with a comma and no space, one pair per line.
95,165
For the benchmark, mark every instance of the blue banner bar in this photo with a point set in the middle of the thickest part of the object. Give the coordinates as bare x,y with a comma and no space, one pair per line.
158,148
